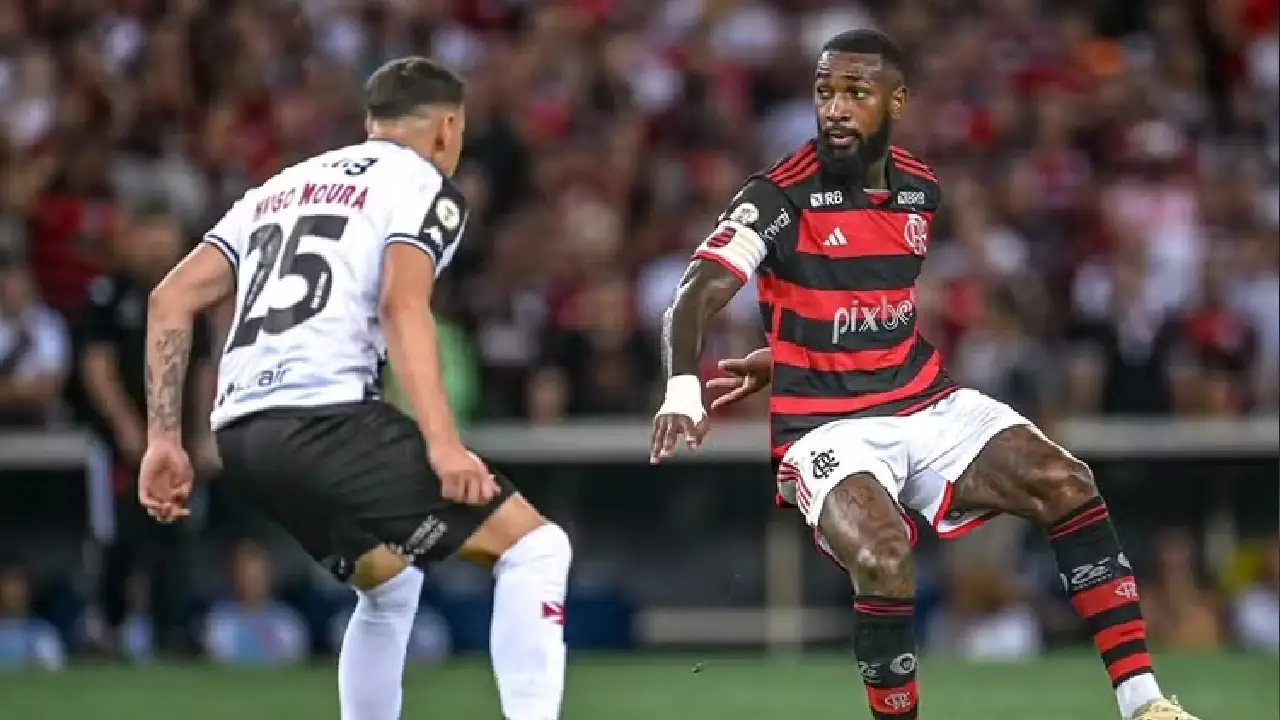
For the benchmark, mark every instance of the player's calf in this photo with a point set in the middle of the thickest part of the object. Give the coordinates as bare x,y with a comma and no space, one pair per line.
1023,473
866,532
1096,574
1099,579
531,558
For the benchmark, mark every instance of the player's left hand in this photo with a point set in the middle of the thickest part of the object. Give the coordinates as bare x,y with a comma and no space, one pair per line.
744,377
164,482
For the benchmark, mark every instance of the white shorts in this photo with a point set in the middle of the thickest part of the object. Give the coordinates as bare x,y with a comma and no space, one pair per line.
917,458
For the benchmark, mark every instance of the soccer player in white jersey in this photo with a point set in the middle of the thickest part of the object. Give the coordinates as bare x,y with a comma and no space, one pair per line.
332,263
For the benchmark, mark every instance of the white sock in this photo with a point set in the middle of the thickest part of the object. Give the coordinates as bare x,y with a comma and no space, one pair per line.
371,662
1135,692
526,638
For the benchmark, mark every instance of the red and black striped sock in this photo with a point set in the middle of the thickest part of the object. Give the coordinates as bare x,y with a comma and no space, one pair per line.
884,642
1099,579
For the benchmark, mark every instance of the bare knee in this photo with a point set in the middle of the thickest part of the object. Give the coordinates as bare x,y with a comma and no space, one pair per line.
511,522
885,567
376,567
1062,484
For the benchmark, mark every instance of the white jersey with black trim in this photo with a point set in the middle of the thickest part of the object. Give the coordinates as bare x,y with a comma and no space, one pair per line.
307,250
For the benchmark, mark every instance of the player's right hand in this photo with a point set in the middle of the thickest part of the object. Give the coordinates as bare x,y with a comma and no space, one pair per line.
463,476
668,428
681,416
164,481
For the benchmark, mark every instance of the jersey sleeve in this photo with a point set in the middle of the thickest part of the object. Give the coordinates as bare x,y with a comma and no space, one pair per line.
750,229
431,219
228,233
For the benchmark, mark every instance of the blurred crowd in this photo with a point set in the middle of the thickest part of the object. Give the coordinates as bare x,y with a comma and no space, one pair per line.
979,611
988,613
1110,243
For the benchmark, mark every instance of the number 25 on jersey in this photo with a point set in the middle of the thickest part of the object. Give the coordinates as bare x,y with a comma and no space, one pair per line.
279,259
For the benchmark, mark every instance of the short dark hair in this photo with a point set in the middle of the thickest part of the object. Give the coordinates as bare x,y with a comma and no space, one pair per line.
405,84
866,41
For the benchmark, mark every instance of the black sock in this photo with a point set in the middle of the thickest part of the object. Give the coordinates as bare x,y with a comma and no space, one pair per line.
884,642
1100,581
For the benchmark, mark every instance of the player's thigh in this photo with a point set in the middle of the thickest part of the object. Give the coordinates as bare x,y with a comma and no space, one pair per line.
825,456
275,464
948,442
396,498
863,528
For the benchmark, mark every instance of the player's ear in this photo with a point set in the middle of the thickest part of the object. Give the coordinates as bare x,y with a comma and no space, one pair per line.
898,102
446,122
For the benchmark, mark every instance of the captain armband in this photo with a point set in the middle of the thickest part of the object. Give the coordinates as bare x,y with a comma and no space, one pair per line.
735,246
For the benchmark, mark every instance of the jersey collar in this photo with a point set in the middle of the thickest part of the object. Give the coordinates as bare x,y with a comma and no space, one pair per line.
406,148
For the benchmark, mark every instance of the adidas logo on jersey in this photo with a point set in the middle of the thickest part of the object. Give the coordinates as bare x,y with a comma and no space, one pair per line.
836,239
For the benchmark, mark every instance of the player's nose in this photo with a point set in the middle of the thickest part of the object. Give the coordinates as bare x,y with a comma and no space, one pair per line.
839,109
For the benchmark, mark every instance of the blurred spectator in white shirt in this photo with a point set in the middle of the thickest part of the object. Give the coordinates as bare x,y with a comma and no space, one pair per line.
1256,611
985,616
34,350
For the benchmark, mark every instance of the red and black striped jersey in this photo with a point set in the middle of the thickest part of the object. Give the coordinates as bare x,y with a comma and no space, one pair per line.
836,269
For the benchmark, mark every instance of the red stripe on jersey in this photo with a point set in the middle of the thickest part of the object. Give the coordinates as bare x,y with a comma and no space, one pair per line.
918,172
801,172
863,233
901,153
909,164
788,165
708,255
796,405
821,305
785,353
764,288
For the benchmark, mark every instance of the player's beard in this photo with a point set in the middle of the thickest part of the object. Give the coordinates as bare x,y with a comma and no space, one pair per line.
851,164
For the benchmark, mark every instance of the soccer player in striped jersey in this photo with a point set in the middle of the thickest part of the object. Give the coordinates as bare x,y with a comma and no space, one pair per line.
865,420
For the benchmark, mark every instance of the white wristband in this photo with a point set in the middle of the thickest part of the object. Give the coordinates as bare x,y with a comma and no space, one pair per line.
684,397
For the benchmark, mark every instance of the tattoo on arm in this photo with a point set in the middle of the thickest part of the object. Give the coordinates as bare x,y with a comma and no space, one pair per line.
167,356
703,291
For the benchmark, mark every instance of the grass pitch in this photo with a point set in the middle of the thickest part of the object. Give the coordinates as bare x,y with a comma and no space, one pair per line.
644,687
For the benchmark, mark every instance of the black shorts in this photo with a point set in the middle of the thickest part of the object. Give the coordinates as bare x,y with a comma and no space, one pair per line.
344,479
